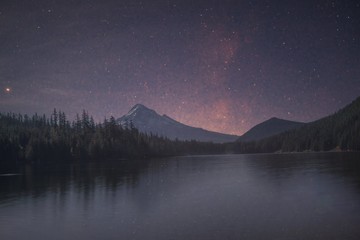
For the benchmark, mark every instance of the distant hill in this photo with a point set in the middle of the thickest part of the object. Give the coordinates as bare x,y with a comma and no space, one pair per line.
269,128
148,121
339,131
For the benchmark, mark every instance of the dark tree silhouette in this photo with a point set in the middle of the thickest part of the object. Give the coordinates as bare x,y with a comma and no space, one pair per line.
40,139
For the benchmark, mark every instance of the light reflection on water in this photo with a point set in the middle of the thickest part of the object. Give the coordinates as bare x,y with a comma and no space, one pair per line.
289,196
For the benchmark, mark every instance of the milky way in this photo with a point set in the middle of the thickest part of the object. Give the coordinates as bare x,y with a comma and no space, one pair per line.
220,65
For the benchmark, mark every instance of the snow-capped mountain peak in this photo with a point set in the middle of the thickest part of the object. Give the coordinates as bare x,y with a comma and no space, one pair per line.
148,121
139,108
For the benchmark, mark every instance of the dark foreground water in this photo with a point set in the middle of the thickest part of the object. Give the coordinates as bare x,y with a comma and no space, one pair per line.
295,196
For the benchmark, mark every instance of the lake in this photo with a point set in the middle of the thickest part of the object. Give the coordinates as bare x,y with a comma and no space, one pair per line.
275,196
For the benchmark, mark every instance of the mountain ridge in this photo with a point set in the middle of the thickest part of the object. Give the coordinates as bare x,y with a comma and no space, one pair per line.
269,128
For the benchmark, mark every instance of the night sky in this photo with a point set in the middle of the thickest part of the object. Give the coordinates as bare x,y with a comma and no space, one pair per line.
220,65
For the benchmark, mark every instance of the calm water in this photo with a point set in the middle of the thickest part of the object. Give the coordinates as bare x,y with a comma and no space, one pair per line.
295,196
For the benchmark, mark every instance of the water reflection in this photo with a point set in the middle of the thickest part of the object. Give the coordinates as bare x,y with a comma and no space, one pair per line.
35,181
294,196
280,167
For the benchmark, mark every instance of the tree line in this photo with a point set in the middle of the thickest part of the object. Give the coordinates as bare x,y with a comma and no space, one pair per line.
40,138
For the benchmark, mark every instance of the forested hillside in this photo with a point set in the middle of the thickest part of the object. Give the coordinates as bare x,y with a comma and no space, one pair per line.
340,131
